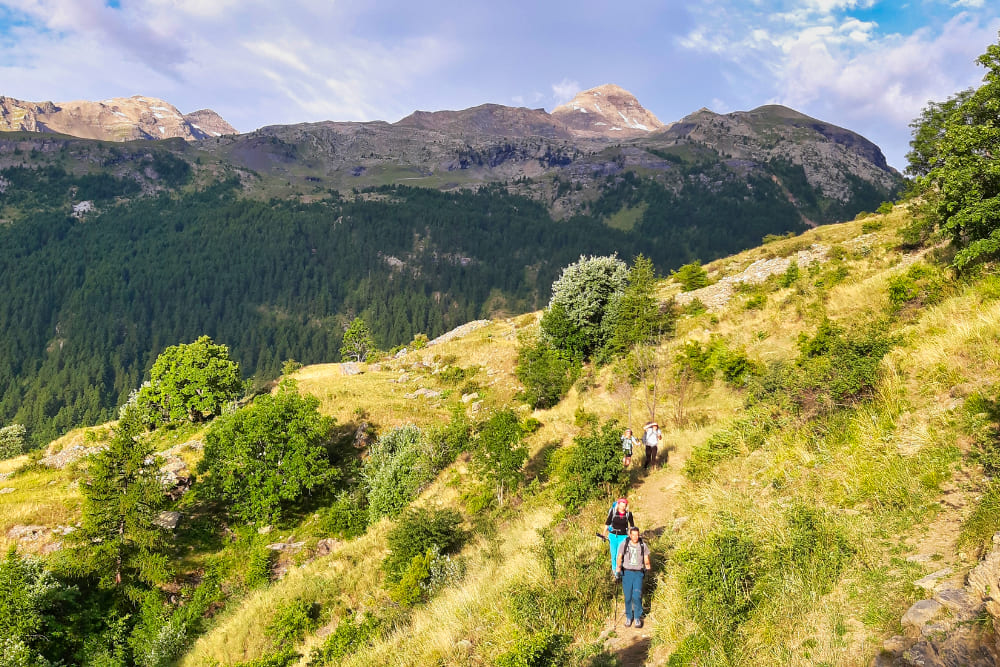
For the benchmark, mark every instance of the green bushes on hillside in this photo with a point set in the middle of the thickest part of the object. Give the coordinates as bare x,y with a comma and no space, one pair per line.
264,458
592,467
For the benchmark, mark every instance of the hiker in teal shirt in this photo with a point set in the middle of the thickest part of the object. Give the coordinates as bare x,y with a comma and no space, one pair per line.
616,528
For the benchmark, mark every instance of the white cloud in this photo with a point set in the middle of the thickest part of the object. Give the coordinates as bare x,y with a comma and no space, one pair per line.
565,90
969,4
246,59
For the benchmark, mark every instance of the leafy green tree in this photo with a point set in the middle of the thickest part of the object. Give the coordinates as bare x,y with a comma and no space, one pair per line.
192,381
118,540
955,147
27,595
580,298
12,441
498,453
595,466
691,276
546,373
358,343
265,457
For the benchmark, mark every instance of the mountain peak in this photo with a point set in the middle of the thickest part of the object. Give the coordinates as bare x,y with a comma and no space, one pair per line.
115,119
607,111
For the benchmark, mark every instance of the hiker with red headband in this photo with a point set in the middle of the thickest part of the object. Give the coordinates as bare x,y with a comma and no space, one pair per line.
616,528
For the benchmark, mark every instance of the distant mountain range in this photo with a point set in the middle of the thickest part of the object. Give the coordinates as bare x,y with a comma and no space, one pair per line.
118,119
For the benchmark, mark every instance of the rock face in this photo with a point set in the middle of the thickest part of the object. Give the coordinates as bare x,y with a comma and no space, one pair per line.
606,111
946,628
117,119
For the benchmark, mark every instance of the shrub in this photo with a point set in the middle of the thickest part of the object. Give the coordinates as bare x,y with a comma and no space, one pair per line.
746,434
546,373
691,276
921,285
345,518
12,441
595,466
349,636
421,530
791,275
410,589
498,453
394,472
719,580
817,547
837,367
265,457
538,649
291,622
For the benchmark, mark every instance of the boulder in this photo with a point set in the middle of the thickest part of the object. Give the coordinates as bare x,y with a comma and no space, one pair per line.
470,397
350,368
22,533
167,520
6,490
930,581
921,613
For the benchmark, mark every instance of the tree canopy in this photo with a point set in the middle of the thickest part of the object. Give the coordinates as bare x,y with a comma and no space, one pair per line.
955,157
191,382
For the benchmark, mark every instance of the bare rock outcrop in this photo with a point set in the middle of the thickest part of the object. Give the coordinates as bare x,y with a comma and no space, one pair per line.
606,111
942,630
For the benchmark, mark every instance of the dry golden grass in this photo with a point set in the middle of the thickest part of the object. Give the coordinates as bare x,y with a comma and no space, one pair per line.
41,497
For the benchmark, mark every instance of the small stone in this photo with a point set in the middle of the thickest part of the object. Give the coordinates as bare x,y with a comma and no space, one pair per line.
401,353
920,613
930,581
477,406
463,645
9,489
52,547
918,558
4,476
167,520
895,644
470,397
326,546
264,530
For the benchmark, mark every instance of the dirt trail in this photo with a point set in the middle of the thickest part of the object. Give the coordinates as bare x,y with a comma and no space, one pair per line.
653,501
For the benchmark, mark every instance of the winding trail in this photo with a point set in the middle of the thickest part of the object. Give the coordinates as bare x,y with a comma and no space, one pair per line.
653,500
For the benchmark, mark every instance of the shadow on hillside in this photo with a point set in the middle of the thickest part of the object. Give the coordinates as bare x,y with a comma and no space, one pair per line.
537,465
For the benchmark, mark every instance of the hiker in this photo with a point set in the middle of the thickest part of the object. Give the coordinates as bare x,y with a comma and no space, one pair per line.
628,444
651,438
616,528
633,561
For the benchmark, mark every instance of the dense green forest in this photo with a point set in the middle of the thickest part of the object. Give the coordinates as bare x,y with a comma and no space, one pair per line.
90,302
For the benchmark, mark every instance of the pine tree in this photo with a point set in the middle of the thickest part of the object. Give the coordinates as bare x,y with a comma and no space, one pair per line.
118,540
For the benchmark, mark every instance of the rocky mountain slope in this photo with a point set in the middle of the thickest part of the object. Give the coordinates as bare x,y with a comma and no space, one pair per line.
116,119
606,111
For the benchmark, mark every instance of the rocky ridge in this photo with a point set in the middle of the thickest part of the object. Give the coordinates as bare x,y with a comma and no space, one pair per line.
116,119
607,111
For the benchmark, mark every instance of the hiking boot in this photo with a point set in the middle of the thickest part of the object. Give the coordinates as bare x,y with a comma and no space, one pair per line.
628,622
638,622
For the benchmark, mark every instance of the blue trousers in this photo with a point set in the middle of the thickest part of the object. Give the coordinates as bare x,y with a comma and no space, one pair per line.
614,541
632,591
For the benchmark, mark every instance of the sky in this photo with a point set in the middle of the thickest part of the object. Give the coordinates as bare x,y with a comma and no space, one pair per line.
866,65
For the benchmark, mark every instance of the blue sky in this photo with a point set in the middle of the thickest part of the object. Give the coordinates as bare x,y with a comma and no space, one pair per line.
866,65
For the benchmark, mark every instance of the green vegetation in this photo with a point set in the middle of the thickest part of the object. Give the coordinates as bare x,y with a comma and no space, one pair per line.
358,343
12,441
192,382
262,459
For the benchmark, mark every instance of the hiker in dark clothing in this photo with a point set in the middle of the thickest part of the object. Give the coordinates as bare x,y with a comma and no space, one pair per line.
632,563
616,528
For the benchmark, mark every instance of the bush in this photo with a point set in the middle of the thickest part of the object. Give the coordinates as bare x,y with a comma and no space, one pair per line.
498,453
817,548
346,518
719,581
395,471
265,457
837,367
546,373
291,622
921,285
419,531
691,276
538,649
595,466
12,441
349,636
791,275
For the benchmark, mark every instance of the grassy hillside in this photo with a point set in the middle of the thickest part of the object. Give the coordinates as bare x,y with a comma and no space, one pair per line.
799,502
